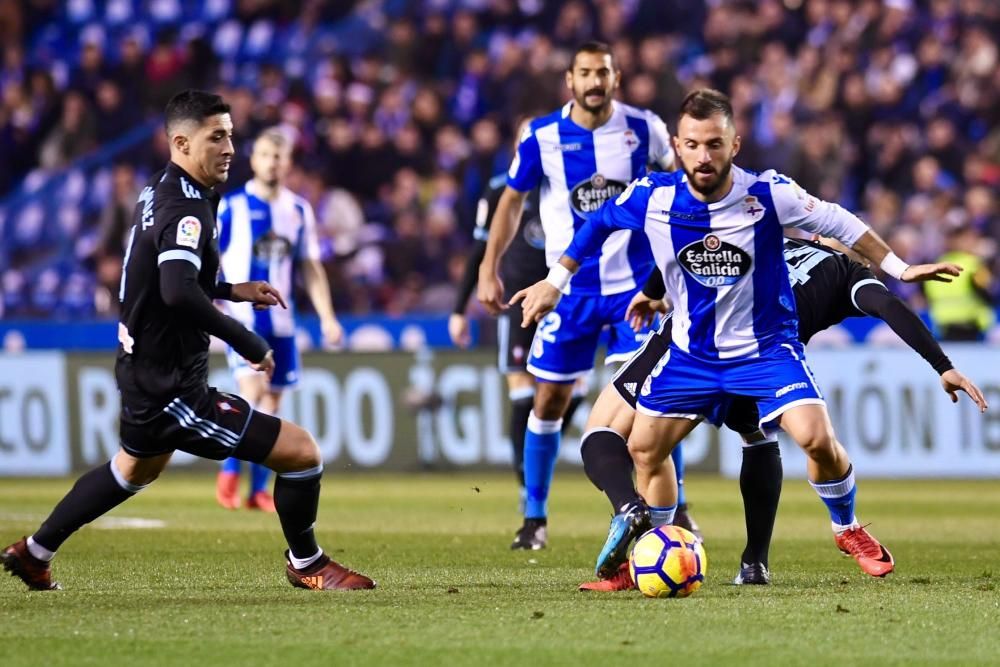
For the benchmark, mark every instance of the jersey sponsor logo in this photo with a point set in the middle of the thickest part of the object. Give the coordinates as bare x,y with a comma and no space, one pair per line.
753,208
713,262
533,234
189,231
790,388
271,248
589,195
566,148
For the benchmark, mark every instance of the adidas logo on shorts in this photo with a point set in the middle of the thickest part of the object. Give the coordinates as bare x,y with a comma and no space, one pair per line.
631,388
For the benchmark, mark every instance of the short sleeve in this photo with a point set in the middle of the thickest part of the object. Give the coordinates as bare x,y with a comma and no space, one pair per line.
525,172
797,208
186,232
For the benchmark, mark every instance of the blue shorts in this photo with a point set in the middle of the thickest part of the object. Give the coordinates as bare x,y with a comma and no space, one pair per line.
684,386
286,362
566,339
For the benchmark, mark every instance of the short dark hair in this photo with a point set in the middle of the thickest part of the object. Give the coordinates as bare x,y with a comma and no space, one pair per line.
706,102
593,46
196,105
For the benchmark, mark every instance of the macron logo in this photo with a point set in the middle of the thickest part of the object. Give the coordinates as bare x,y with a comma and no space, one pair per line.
789,387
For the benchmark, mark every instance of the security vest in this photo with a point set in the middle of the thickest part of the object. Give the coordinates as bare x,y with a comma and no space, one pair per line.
958,302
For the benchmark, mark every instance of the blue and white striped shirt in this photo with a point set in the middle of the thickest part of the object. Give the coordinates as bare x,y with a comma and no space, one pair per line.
722,263
263,240
580,169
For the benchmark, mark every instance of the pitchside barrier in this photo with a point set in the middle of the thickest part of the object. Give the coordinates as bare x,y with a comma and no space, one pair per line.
447,410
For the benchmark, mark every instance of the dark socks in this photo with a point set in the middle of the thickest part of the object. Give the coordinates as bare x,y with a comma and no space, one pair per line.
520,409
296,497
574,403
609,466
96,493
760,484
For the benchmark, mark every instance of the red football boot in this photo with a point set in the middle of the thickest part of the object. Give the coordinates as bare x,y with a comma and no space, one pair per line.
873,558
37,574
327,575
620,581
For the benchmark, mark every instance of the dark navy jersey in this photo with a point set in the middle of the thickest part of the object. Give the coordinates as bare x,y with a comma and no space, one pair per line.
523,264
162,353
824,283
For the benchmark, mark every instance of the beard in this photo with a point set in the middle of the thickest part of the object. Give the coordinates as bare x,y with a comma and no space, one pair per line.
581,100
712,185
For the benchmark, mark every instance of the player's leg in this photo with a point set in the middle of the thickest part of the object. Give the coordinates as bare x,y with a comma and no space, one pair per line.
93,495
580,390
653,438
541,449
258,496
832,476
521,392
284,378
513,345
788,397
296,459
251,386
562,351
760,486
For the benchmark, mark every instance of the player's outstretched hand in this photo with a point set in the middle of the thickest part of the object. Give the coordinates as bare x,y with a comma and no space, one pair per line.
537,301
490,292
333,332
941,272
953,382
458,330
260,293
642,310
266,365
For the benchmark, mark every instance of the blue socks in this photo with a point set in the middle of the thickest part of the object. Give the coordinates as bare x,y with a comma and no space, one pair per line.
259,476
231,465
838,495
678,456
541,448
662,516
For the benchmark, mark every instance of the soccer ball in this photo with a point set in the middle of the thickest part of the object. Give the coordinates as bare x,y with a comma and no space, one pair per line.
668,562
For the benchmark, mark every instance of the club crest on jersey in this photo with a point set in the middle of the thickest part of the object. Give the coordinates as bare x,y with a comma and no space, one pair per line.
631,141
188,231
271,248
753,208
589,195
713,262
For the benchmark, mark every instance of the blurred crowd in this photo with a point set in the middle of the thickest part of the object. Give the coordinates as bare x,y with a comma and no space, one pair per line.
403,109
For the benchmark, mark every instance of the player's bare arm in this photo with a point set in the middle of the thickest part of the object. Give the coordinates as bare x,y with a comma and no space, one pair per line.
504,226
873,248
318,288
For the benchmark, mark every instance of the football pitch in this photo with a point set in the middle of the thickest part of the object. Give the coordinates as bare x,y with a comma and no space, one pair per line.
170,578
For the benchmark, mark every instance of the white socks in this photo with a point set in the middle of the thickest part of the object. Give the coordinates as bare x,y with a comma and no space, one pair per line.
38,551
303,563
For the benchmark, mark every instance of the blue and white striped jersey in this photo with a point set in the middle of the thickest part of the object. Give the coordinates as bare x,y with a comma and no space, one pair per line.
263,240
580,169
722,263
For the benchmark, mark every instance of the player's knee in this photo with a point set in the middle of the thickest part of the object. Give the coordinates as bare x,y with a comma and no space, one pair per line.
644,456
818,442
307,451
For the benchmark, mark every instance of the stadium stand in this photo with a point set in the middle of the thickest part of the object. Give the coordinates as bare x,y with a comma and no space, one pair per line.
403,109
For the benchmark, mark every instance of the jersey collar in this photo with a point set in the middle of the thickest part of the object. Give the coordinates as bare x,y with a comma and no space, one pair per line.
177,172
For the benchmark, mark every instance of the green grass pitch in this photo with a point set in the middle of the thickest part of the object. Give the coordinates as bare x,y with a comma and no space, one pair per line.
208,588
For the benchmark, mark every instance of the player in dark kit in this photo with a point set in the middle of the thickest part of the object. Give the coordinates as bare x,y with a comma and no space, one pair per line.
168,282
522,265
829,287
